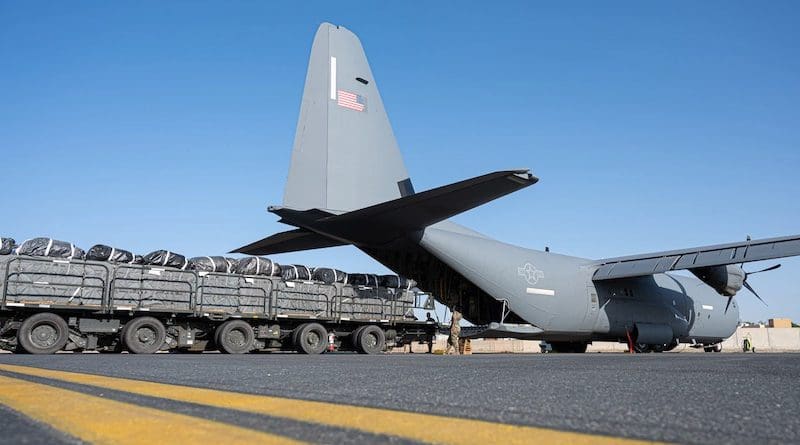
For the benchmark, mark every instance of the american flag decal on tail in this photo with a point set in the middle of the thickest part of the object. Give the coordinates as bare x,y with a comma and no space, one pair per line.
351,100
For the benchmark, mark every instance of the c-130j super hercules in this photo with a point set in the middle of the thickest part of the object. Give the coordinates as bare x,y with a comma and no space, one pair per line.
348,185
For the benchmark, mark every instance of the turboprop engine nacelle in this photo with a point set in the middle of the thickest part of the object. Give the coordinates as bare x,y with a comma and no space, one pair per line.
727,280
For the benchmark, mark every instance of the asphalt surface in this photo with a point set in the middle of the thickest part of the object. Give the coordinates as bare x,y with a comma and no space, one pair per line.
687,398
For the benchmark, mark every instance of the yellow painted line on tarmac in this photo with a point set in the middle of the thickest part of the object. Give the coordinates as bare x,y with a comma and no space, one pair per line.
102,421
420,427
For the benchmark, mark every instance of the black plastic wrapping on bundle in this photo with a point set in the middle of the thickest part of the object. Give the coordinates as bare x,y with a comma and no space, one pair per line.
209,264
295,272
101,252
363,279
50,248
165,258
231,264
396,282
255,265
328,275
6,245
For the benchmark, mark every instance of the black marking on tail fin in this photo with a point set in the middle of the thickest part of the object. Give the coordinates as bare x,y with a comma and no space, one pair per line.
406,187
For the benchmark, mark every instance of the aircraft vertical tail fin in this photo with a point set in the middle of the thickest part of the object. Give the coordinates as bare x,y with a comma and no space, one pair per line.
345,155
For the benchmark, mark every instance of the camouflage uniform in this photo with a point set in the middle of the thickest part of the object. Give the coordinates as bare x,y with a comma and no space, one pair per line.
455,331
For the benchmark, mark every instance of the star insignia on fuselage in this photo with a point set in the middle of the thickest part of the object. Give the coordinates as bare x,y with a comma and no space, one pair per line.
531,274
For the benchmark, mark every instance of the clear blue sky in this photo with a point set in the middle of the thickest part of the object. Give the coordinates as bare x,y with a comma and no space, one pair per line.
151,125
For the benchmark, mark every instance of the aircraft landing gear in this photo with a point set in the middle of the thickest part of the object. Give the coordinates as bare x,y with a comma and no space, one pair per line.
713,348
575,347
642,348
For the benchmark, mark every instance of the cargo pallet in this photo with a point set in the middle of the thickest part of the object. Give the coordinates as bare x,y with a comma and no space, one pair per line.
49,305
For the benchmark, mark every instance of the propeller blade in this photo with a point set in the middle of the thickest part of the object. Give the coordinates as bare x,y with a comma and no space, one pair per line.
765,270
750,288
729,304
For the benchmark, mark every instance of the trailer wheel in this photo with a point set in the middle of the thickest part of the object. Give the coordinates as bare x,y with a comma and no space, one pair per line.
296,334
43,333
354,337
371,340
144,335
235,337
312,338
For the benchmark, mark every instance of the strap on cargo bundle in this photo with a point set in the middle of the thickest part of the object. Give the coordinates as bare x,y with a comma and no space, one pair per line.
49,245
166,258
16,251
213,264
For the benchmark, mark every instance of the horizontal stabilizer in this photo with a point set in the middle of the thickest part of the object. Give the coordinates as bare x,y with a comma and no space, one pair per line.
290,241
382,223
717,255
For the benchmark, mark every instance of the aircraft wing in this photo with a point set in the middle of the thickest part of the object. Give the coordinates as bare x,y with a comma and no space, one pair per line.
718,255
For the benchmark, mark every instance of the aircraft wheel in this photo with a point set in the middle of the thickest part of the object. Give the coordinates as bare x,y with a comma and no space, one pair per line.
312,338
235,337
43,333
641,348
144,335
371,340
568,347
674,344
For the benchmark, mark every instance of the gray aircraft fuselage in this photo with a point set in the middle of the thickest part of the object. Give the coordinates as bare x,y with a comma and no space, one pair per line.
556,293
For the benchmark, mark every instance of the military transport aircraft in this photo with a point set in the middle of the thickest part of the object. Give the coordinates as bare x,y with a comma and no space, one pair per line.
348,184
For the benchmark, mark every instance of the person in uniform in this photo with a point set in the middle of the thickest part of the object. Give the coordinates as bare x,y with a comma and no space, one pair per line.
455,332
431,337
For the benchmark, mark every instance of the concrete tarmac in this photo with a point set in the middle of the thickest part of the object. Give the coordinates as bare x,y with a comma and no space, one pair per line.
685,398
